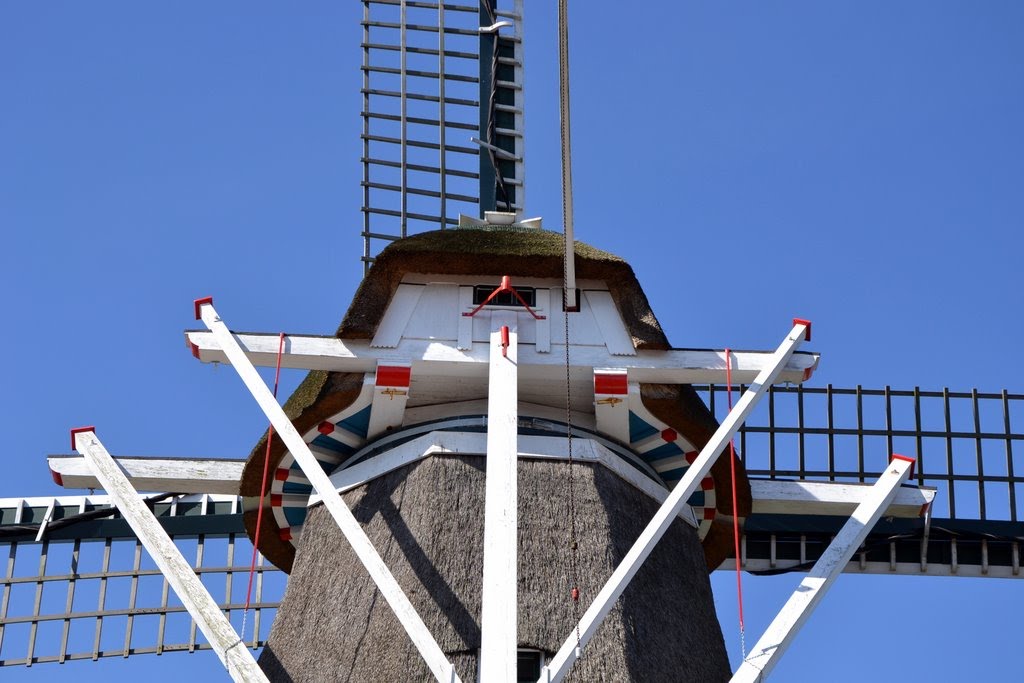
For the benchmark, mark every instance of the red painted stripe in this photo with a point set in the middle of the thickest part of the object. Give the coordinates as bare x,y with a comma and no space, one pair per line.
393,375
325,428
285,533
57,479
691,456
275,500
282,473
709,513
707,483
617,383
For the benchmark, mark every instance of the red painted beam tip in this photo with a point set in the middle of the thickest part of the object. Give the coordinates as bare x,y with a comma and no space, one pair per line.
199,304
79,430
57,479
802,321
906,458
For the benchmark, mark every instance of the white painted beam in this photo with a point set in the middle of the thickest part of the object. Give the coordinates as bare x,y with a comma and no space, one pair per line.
783,629
177,475
570,651
611,403
499,609
362,546
390,395
440,357
776,497
233,653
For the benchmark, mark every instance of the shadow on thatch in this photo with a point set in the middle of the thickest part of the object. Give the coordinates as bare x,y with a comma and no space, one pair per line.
426,520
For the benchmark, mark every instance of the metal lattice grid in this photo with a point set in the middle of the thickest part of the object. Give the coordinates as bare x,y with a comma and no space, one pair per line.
964,445
99,594
436,92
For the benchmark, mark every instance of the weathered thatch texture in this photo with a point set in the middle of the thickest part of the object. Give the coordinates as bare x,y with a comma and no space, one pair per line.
427,522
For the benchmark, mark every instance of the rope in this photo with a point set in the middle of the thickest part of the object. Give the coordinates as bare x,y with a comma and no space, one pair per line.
563,82
263,492
735,508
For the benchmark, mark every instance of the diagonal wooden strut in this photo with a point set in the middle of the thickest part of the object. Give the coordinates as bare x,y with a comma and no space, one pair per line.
498,613
663,518
783,629
419,634
233,653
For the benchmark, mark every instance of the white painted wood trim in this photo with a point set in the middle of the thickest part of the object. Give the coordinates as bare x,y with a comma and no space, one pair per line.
616,338
233,653
396,317
181,475
499,608
780,634
649,537
435,357
542,334
776,497
465,340
390,395
412,623
474,443
611,403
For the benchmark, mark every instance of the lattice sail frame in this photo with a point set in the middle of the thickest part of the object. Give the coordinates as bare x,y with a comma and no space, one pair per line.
88,590
442,115
964,445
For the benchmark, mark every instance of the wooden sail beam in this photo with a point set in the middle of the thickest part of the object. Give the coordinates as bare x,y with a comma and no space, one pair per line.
498,611
783,629
233,653
421,637
433,357
776,497
571,649
177,475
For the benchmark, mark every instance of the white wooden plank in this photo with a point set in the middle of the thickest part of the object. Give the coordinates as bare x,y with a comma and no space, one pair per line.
433,358
570,650
428,648
390,395
616,337
182,475
433,317
611,403
499,609
542,333
776,497
396,316
472,443
465,341
233,653
780,633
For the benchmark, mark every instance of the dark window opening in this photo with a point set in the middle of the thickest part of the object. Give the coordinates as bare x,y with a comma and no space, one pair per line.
481,292
528,665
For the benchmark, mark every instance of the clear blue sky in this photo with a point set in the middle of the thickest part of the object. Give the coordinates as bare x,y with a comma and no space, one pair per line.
857,163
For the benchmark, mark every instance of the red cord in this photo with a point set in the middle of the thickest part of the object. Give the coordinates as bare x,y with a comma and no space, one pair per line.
735,507
263,484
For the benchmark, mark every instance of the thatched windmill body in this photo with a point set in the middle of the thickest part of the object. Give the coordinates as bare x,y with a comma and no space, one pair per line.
402,404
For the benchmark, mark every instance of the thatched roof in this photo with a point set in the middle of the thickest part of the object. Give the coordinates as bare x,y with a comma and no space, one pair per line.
497,251
334,625
489,252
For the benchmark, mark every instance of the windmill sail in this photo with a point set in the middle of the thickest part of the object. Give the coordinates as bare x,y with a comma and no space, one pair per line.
442,115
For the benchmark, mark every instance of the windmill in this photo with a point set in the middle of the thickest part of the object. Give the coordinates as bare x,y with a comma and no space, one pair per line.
744,451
